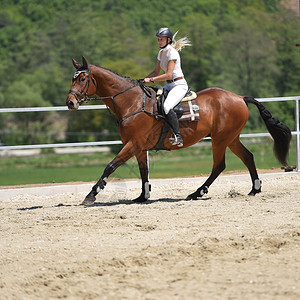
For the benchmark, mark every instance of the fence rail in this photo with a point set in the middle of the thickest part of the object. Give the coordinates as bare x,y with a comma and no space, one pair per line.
53,108
103,143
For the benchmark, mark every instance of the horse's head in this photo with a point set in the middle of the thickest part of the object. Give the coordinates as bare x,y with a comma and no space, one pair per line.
83,84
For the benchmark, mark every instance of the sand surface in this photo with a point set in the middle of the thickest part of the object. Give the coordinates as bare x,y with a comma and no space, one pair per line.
226,246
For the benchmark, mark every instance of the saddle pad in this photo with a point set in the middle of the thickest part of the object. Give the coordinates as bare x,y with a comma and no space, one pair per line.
191,111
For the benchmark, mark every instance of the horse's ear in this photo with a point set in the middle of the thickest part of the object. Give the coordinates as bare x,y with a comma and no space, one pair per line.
85,63
76,64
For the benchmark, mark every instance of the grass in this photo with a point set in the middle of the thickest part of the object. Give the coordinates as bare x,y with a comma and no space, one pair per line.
59,168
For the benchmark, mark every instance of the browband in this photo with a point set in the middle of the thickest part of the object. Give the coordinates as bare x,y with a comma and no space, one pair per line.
77,73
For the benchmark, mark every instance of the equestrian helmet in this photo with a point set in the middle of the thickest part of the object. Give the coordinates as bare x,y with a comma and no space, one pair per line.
165,32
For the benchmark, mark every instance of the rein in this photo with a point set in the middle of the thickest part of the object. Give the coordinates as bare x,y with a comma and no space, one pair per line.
112,100
85,98
144,88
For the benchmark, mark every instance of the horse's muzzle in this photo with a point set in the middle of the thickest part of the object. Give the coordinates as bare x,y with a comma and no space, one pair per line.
72,104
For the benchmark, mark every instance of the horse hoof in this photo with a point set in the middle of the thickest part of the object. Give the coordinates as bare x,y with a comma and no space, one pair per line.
88,201
192,197
139,199
198,194
253,192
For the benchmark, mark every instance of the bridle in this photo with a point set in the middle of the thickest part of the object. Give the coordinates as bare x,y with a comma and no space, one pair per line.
83,97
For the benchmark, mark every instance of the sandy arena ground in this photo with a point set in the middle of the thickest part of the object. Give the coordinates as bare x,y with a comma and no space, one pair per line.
226,246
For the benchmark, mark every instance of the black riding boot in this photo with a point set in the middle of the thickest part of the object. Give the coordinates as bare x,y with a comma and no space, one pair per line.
174,124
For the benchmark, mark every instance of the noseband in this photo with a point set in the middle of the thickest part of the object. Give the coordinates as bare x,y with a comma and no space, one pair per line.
83,97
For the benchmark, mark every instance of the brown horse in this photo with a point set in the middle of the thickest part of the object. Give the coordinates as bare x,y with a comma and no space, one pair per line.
223,116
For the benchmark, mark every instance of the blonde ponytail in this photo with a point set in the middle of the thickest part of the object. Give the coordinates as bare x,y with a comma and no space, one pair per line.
181,43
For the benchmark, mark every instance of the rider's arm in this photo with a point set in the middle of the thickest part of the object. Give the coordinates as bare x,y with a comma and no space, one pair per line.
156,71
167,76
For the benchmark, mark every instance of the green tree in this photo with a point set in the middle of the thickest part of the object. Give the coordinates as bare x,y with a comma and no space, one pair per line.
246,46
200,62
249,65
286,35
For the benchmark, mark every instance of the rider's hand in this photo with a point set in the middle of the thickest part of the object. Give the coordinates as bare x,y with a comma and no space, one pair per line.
147,80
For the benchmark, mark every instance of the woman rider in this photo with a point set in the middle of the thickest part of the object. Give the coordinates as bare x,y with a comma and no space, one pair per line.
168,60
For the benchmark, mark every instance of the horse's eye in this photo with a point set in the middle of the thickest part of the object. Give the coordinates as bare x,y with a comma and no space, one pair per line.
82,79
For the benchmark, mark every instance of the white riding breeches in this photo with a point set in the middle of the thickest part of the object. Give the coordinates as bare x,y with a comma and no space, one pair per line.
177,91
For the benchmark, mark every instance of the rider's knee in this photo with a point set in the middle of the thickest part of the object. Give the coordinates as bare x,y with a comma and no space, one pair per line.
167,108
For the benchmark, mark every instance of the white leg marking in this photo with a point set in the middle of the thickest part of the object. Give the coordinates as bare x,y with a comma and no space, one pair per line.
257,184
147,190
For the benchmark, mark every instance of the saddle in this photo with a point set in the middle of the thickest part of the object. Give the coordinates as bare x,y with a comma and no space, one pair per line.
186,110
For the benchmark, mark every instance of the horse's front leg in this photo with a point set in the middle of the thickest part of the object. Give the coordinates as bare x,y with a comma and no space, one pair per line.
126,153
143,161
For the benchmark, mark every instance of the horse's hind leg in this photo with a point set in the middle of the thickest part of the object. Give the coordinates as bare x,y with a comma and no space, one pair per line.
142,158
218,167
247,158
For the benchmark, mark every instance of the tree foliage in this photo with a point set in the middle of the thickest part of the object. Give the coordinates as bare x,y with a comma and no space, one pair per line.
246,46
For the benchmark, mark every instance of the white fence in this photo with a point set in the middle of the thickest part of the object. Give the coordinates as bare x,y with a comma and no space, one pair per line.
88,107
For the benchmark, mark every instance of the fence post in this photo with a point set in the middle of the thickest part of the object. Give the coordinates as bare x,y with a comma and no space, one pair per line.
297,135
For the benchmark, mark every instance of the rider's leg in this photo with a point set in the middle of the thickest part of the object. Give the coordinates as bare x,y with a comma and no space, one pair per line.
174,124
173,98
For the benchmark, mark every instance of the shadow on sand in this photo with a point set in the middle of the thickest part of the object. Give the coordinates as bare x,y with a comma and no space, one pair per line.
115,203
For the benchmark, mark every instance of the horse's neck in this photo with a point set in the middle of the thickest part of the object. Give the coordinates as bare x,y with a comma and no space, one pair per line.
110,84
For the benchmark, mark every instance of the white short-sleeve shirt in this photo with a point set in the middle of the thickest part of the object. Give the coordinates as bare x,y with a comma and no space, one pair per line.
171,54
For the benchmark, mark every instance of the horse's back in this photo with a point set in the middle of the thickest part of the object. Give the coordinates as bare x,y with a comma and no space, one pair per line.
222,101
221,96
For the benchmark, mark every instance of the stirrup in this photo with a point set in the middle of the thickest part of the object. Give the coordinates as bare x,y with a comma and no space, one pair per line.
176,140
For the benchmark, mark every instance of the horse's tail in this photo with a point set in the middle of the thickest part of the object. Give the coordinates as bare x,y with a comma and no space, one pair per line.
280,132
